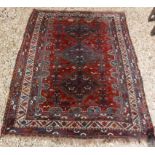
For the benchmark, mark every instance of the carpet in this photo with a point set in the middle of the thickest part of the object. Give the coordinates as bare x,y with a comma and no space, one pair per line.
76,75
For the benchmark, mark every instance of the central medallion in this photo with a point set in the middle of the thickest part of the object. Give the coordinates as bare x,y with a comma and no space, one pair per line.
80,54
79,85
79,31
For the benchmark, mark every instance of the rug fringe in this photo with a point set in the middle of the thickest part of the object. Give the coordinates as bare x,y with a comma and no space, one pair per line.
151,141
151,138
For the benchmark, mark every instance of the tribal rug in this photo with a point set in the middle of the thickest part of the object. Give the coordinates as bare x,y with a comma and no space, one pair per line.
76,75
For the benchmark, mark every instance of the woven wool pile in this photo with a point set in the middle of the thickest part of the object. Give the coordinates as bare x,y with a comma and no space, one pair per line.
13,22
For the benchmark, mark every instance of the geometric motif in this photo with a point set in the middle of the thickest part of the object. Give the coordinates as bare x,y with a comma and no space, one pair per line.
76,75
80,55
79,31
79,85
